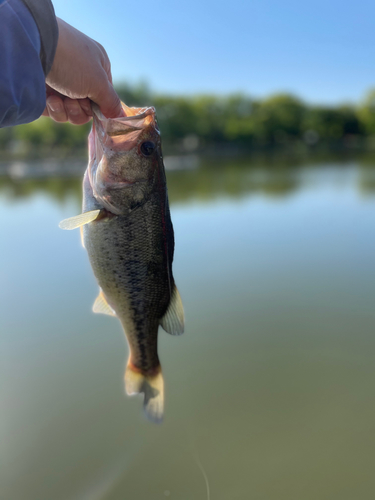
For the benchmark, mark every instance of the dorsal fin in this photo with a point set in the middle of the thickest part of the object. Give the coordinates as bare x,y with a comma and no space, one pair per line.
101,305
173,320
79,220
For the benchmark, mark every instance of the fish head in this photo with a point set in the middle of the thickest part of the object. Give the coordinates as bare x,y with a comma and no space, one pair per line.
125,158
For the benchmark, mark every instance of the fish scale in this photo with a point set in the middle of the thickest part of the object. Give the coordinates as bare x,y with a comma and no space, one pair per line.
128,234
122,274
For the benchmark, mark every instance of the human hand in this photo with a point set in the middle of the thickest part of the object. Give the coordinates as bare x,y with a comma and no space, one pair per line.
81,72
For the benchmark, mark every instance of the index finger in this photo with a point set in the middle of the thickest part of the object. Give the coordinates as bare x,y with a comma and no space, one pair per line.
108,101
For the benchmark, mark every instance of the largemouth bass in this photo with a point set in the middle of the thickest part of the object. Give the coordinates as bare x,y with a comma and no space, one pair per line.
127,231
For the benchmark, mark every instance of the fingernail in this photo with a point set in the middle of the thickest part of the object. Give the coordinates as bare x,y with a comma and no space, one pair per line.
86,109
54,107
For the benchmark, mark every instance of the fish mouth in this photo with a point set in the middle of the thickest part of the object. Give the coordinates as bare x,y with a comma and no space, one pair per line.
123,133
130,113
134,121
139,113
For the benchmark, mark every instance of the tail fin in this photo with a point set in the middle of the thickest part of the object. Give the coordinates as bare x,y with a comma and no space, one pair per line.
152,386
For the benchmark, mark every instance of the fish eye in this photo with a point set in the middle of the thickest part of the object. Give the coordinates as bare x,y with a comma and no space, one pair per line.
147,148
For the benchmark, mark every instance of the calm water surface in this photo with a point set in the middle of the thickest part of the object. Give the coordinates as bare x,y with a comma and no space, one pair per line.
270,391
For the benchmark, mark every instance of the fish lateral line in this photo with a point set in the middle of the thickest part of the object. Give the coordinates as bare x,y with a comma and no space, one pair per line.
125,173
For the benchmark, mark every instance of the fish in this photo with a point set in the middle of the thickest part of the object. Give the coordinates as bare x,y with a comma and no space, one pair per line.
127,231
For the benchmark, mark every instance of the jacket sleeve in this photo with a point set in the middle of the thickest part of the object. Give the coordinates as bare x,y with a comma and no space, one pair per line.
28,40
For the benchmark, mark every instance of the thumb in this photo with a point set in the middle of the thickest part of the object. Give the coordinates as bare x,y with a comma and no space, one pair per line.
108,102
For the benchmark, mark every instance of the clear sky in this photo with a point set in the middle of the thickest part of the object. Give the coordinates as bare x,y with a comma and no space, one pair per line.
322,51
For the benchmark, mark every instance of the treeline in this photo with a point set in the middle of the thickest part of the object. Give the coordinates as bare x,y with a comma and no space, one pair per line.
200,123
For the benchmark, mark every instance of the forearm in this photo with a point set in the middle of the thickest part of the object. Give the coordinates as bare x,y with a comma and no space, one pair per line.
28,39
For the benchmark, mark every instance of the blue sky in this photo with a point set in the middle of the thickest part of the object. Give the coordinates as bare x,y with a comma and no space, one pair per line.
322,51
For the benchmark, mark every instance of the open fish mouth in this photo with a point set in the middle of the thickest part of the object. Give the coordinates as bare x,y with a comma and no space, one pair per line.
134,121
122,134
109,142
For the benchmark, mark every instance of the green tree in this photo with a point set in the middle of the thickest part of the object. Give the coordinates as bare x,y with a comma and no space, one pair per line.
366,113
278,119
331,123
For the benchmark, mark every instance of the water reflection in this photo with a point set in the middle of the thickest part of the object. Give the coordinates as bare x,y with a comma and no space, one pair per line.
58,189
221,178
271,386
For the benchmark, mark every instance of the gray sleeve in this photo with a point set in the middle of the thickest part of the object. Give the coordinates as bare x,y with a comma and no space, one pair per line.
45,19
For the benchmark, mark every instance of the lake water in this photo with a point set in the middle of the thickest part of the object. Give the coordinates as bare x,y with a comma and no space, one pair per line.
270,393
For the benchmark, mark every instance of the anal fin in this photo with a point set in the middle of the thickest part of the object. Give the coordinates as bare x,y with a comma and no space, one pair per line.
101,305
173,320
79,220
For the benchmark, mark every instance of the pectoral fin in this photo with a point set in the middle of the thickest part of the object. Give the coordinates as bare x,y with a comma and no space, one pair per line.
79,220
101,305
173,320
